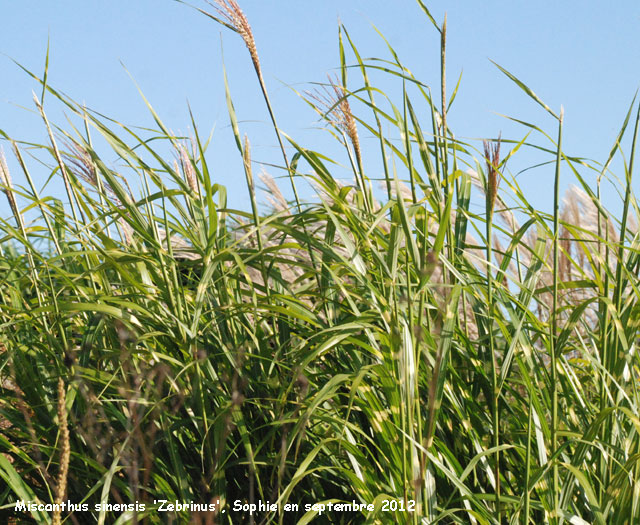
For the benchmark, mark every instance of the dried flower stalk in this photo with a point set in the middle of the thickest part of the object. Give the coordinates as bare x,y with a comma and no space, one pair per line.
5,180
65,451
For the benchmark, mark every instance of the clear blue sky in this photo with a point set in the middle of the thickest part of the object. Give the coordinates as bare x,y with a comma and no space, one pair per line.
581,54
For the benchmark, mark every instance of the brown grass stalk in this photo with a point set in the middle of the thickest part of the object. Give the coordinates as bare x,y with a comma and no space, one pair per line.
65,451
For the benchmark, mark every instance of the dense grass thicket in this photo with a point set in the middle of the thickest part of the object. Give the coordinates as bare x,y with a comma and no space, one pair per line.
431,338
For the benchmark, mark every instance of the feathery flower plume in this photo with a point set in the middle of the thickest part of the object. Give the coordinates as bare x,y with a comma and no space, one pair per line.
492,158
127,231
274,195
230,11
78,160
187,169
338,112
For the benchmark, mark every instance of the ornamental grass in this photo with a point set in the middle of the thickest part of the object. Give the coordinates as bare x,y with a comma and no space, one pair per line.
422,334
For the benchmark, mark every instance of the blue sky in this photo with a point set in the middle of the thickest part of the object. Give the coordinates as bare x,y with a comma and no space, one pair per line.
578,54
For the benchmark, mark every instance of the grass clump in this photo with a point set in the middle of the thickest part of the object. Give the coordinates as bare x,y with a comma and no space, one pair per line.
469,367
